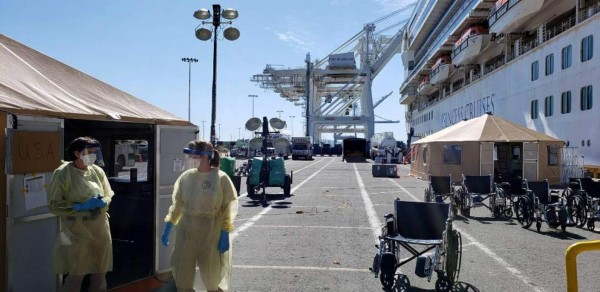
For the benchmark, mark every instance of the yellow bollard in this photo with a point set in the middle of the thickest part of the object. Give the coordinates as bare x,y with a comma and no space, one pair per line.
571,261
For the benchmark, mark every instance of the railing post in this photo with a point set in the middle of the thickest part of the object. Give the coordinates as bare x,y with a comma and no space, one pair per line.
571,261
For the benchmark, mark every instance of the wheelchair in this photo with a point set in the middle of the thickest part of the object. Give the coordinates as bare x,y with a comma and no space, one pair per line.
578,201
541,204
513,188
428,226
476,189
583,196
440,189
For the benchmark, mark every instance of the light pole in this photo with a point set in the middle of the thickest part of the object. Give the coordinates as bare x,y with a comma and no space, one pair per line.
219,132
203,130
189,61
279,112
239,134
292,118
253,96
230,33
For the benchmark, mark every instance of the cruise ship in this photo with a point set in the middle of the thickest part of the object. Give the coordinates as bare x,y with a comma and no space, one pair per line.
529,61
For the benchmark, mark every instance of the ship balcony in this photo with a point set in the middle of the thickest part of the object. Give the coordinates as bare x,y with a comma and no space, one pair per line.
468,50
508,15
440,74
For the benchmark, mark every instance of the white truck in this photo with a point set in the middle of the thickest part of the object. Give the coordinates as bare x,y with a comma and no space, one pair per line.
382,144
302,147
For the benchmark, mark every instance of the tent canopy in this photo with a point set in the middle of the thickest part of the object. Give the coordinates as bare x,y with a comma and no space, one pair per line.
486,128
32,83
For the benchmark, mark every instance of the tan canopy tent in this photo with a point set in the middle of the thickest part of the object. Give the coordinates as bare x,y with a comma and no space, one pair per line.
32,83
488,145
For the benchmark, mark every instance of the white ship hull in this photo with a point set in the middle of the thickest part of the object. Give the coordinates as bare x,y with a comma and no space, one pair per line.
509,92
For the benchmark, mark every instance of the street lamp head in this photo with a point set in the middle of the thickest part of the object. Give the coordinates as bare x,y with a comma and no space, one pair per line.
203,34
202,14
229,13
231,33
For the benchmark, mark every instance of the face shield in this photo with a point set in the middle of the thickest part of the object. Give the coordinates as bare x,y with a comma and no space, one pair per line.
92,154
193,158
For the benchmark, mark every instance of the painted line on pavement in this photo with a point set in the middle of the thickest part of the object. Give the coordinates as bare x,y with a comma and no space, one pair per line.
301,268
269,208
488,251
371,214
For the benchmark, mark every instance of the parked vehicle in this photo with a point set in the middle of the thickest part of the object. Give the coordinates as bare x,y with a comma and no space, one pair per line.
302,147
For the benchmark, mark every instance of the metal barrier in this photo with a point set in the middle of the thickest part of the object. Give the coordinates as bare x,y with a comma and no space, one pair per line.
571,261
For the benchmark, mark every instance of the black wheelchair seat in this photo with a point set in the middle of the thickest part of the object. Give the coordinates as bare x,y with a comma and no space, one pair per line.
420,221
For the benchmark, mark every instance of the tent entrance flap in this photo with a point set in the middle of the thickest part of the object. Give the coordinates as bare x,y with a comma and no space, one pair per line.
486,159
530,160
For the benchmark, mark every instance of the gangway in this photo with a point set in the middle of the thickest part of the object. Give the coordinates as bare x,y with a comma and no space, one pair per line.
335,92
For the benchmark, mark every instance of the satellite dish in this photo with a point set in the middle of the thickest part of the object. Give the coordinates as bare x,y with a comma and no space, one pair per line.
277,124
253,124
256,143
281,143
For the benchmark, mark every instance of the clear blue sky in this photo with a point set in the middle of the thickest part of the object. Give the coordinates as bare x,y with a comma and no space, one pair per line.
137,47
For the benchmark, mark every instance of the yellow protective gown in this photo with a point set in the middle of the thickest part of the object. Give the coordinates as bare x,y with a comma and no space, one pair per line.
204,203
83,245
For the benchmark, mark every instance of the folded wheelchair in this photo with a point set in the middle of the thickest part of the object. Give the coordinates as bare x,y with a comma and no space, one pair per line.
440,190
425,231
541,204
583,202
513,189
475,190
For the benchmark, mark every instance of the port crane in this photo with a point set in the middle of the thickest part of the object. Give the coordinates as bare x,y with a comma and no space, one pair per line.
334,92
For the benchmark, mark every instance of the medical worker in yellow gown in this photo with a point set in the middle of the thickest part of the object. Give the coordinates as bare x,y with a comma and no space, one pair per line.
79,195
202,213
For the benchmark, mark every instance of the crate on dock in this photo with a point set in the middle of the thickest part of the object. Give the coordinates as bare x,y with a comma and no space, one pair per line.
384,170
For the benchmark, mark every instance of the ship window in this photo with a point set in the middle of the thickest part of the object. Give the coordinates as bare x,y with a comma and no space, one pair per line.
586,98
549,64
566,57
565,102
587,48
535,71
452,154
552,155
548,106
534,109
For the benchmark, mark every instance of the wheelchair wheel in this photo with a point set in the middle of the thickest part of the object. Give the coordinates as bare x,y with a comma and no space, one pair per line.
591,225
453,255
388,269
402,284
443,284
577,209
387,280
524,212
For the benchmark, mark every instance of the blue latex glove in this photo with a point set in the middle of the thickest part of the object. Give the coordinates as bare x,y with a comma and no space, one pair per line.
99,203
90,204
223,241
165,236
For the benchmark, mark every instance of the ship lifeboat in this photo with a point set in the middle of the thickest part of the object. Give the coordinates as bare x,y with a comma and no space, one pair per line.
425,86
470,44
507,16
440,70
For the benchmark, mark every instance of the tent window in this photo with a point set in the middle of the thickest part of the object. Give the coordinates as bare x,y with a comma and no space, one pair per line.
425,153
552,155
452,154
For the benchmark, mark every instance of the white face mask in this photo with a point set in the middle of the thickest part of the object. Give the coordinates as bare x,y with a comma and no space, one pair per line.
88,159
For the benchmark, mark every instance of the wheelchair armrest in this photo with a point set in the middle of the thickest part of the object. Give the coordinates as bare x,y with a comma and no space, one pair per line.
388,216
505,184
